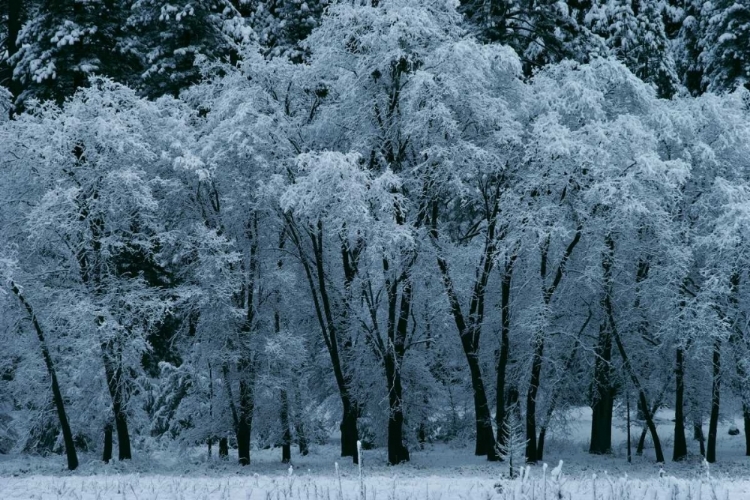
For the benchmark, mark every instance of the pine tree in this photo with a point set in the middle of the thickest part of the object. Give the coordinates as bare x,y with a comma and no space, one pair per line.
726,46
168,39
513,447
635,34
65,43
283,25
541,32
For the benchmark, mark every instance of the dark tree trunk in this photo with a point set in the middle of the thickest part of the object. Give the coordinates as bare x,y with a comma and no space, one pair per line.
299,428
349,435
397,451
286,433
244,425
114,384
715,401
107,455
393,356
680,442
746,422
470,329
555,395
502,360
643,402
601,417
57,397
698,436
123,437
532,449
223,448
316,279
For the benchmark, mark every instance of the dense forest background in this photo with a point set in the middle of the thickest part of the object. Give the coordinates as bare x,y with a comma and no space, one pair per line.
250,224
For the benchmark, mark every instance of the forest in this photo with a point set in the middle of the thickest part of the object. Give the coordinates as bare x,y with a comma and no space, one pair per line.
251,224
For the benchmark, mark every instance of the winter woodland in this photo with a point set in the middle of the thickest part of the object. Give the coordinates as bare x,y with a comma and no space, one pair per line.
231,228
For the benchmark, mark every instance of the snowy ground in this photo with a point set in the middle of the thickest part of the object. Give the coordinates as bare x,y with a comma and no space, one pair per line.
438,472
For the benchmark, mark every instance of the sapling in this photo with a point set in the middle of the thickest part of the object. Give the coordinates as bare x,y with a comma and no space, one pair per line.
513,448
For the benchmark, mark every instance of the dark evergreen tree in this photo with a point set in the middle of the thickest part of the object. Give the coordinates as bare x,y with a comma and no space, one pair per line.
65,43
169,40
635,34
726,46
541,32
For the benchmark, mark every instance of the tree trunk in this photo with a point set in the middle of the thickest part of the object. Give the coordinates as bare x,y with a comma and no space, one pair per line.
57,397
532,450
641,393
244,425
698,436
349,435
680,442
470,328
316,279
114,380
107,455
601,417
299,428
223,448
286,433
502,360
715,401
397,452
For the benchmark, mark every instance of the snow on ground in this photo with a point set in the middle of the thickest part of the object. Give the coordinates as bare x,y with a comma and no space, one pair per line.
440,471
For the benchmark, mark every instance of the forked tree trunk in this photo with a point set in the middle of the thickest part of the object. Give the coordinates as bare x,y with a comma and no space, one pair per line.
114,381
57,397
532,446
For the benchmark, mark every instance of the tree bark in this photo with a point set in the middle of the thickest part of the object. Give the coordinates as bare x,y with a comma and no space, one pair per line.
315,275
223,448
286,433
114,381
715,402
502,360
601,417
57,397
107,455
680,442
538,342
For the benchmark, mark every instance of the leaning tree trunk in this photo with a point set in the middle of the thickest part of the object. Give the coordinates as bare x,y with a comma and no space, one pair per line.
532,451
680,442
715,401
643,402
556,394
57,397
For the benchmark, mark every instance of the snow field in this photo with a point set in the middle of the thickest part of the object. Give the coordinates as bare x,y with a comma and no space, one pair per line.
139,487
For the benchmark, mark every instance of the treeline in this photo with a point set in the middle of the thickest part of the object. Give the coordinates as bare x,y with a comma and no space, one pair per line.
395,227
